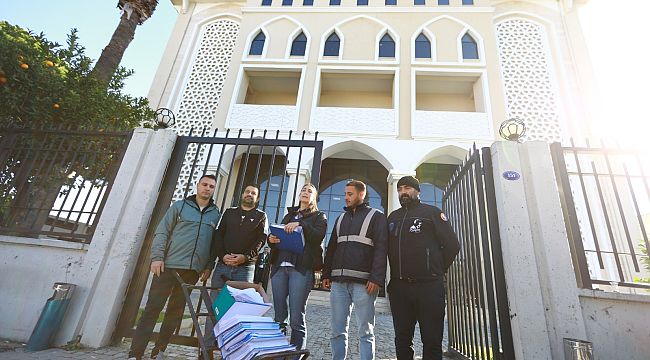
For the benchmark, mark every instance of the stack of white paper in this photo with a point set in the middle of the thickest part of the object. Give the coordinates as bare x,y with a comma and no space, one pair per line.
245,336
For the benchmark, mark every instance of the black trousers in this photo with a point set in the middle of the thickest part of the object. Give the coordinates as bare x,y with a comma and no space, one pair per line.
422,303
162,287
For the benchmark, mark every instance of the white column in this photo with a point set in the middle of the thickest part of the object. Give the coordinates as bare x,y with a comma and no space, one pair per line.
541,287
393,196
302,175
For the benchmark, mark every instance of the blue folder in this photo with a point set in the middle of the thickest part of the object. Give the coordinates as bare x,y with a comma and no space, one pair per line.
293,242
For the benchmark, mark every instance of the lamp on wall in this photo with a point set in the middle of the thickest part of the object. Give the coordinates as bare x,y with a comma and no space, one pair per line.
513,129
164,118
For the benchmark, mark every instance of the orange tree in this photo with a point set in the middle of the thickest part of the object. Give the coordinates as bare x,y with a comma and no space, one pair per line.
43,83
46,85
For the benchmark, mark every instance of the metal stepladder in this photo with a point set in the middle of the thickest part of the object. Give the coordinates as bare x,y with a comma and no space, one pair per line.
206,350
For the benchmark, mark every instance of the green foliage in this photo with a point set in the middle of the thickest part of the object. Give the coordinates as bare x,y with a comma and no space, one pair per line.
44,83
645,260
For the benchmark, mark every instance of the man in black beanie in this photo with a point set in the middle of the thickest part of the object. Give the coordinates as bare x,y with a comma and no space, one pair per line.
421,247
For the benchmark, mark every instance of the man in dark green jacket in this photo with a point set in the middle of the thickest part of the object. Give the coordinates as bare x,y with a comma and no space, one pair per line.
181,244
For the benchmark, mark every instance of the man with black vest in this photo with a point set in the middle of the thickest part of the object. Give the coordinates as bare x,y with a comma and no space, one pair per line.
355,269
421,247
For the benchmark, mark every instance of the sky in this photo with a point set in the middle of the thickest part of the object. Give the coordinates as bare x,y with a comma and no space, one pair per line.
617,51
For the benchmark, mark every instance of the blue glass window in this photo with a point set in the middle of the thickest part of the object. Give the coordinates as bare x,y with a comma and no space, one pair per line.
257,46
362,2
332,45
470,49
308,2
386,46
287,2
443,2
468,2
390,2
419,2
299,45
266,2
422,47
335,2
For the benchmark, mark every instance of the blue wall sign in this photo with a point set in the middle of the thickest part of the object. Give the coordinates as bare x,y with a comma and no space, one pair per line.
511,175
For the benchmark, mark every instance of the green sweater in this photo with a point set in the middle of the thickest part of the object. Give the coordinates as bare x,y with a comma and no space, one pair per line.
186,232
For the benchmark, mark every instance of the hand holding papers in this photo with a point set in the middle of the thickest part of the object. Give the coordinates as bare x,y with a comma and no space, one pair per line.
293,242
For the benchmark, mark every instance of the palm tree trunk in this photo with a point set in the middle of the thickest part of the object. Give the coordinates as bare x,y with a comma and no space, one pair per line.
114,51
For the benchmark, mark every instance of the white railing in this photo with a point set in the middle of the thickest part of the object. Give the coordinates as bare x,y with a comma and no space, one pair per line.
276,117
452,124
366,121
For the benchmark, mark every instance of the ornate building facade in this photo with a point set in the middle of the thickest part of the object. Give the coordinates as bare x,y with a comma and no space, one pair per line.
393,87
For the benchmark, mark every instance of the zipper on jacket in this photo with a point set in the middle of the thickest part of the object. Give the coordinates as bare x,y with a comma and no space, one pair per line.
196,241
399,242
428,266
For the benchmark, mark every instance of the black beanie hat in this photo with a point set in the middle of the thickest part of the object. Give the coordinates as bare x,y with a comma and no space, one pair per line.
409,181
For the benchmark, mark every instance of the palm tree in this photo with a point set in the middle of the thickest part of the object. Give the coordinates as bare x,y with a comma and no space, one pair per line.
135,12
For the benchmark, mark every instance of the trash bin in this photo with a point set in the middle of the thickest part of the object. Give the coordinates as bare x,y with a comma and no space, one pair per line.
577,350
51,317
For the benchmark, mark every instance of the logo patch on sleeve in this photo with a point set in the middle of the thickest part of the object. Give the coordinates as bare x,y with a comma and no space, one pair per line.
443,217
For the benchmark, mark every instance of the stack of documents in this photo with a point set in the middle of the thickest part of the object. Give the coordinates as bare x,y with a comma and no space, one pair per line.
242,337
231,301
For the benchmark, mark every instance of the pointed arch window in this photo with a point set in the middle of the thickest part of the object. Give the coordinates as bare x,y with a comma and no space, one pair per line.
299,45
257,45
422,47
470,48
332,45
386,46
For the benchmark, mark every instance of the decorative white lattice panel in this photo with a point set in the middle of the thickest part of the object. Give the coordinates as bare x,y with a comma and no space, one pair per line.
528,78
202,91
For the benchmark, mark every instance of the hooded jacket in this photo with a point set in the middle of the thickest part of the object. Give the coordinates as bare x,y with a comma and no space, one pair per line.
183,238
348,259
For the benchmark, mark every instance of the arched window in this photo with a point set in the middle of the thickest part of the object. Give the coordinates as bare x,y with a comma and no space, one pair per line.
332,45
257,46
386,46
422,47
299,45
470,49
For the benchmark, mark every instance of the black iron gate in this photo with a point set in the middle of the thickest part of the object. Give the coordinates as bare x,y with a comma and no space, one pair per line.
247,157
477,310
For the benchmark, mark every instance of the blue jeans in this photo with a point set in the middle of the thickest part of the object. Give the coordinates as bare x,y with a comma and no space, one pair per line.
223,273
345,295
287,282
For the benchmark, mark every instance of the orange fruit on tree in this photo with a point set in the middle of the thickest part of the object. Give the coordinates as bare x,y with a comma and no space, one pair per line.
56,106
24,66
3,80
49,63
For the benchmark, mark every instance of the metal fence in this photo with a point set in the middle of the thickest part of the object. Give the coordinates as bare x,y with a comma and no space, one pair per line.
477,311
236,158
605,197
54,182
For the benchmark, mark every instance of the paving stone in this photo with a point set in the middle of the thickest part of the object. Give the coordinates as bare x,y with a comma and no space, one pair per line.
318,334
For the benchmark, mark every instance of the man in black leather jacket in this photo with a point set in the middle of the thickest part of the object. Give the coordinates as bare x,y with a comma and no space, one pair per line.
421,246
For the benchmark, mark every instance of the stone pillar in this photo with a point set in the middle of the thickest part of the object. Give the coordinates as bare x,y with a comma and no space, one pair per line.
541,287
393,197
108,266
